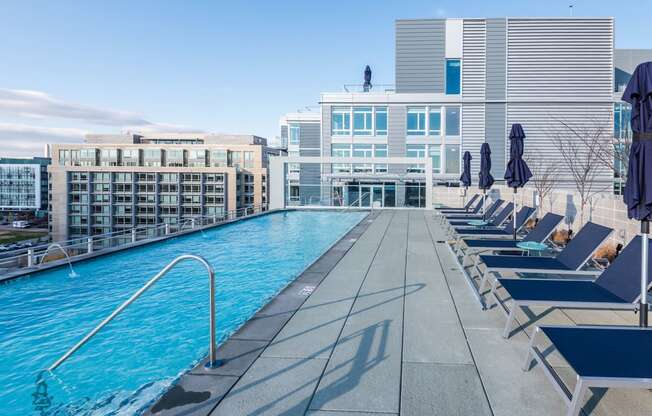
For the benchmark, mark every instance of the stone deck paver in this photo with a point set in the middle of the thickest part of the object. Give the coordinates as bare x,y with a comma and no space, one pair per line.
394,329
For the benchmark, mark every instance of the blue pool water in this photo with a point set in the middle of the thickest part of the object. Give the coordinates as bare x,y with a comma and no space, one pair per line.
136,357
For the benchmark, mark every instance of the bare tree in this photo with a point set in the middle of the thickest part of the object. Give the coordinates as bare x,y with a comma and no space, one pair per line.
583,148
544,178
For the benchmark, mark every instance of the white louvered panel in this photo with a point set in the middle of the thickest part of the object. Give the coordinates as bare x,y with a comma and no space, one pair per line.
541,123
560,59
474,58
473,128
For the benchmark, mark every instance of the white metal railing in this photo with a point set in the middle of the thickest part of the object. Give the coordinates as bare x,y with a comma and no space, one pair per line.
72,248
212,361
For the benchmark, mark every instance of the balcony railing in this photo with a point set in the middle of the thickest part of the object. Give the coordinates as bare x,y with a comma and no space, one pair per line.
33,258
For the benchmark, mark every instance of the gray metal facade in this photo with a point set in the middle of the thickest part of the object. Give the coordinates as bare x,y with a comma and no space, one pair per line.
419,55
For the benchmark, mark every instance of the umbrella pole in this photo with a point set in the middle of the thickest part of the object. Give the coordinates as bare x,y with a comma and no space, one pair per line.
514,213
645,231
484,203
464,199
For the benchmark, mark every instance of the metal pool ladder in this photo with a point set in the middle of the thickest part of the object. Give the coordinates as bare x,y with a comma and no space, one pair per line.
212,362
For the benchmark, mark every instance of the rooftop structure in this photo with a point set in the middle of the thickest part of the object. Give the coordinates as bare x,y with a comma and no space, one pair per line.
463,82
24,184
115,182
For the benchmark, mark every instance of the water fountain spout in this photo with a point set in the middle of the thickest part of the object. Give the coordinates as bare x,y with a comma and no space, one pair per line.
65,253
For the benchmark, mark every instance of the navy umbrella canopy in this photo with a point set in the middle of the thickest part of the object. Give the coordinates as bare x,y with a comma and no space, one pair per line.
466,172
517,173
367,79
638,187
486,180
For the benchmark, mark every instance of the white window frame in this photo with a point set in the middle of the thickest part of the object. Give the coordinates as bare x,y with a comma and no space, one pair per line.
419,111
368,120
380,109
431,110
344,112
294,127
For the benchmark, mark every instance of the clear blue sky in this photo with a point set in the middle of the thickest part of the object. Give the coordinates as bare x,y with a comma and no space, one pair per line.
228,66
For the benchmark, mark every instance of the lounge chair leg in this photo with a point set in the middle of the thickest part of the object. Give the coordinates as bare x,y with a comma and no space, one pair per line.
493,294
510,320
530,350
483,282
575,405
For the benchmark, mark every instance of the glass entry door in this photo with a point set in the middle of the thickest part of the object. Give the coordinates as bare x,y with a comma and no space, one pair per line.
377,196
365,196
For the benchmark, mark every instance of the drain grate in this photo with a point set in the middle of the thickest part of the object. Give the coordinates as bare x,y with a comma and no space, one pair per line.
440,241
307,290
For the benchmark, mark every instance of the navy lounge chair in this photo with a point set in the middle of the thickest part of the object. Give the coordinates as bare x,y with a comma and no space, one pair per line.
465,208
568,261
496,221
466,217
522,216
605,357
617,287
538,234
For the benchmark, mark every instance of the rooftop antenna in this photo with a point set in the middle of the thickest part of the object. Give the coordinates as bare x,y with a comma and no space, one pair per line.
570,10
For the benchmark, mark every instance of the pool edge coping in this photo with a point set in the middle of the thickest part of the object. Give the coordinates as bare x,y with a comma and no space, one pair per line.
83,257
209,377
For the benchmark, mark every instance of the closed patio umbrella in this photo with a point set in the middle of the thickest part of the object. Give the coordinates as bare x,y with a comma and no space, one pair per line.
517,173
638,187
466,172
486,180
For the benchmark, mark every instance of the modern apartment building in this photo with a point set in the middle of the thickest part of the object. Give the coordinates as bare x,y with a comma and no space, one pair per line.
462,82
301,133
114,182
24,185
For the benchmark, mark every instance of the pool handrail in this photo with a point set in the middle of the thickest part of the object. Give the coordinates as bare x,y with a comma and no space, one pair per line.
212,361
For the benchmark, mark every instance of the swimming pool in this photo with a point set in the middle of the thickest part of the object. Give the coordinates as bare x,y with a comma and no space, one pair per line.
136,357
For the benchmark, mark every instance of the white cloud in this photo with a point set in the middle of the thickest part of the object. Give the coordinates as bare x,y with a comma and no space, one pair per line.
20,139
26,103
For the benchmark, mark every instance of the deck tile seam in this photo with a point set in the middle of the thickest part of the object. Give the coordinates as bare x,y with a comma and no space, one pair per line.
366,227
450,292
339,335
407,250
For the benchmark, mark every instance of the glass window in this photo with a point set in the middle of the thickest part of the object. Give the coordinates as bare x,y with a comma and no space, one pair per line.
341,150
434,152
130,157
453,76
416,150
452,158
622,116
362,125
341,121
362,150
294,167
452,121
381,121
416,122
219,157
380,150
294,134
434,122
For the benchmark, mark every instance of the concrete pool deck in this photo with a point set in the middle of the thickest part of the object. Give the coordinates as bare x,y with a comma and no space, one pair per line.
390,328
